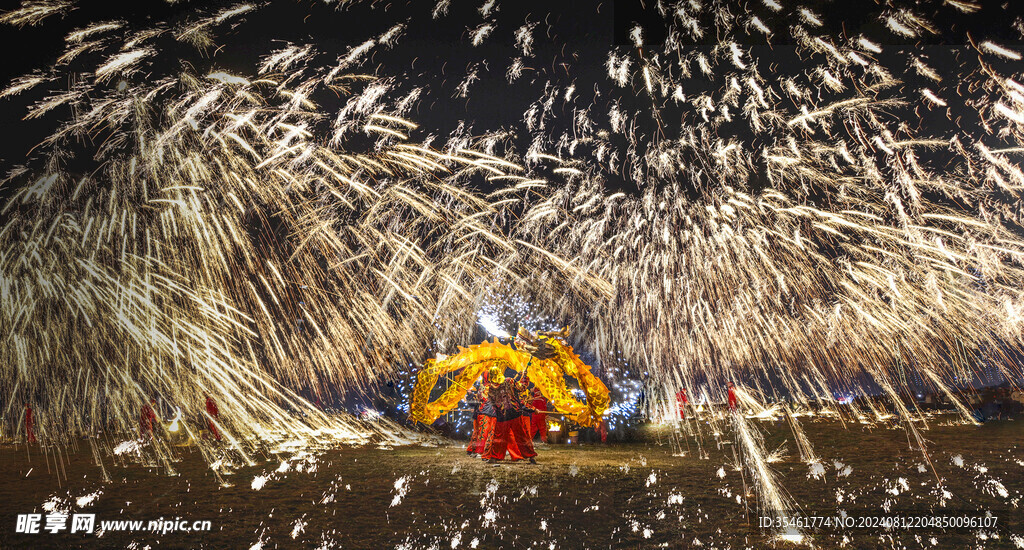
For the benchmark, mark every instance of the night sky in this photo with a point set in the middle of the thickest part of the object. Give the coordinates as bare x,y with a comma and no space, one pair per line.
571,42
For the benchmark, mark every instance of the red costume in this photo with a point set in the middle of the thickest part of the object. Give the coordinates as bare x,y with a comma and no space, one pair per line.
474,439
487,424
510,431
146,421
483,426
732,397
538,420
211,409
681,398
30,423
602,430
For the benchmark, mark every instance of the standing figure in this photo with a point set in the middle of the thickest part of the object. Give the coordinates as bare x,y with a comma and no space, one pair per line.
475,401
487,422
732,397
30,423
602,429
147,419
510,433
214,413
538,420
683,401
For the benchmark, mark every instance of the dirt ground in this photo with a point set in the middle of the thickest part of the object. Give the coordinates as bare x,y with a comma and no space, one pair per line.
658,494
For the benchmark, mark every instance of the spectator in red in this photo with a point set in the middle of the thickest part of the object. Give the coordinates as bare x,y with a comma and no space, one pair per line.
147,419
683,401
30,423
538,420
214,413
732,397
510,432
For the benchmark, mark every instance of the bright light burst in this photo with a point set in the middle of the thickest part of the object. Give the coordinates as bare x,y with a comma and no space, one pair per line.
490,324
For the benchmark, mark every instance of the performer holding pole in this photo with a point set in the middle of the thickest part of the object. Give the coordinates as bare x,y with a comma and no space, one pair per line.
488,417
30,423
147,419
476,399
214,414
682,400
526,399
510,434
538,420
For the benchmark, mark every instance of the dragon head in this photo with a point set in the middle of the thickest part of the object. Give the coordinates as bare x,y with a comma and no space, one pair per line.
539,345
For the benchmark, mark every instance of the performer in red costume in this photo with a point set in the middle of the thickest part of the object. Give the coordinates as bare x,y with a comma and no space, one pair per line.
732,397
487,424
30,424
214,412
147,419
602,430
477,399
486,418
510,433
683,401
538,420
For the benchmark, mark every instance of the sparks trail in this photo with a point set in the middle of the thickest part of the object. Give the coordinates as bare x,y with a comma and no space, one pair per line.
763,197
214,242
